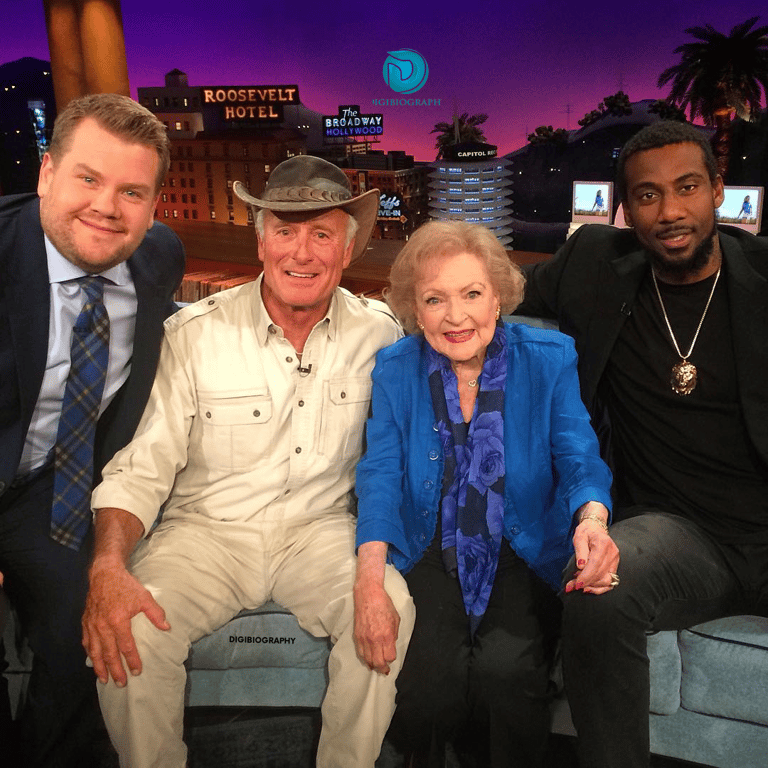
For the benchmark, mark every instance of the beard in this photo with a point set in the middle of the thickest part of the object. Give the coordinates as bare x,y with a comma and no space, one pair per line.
697,261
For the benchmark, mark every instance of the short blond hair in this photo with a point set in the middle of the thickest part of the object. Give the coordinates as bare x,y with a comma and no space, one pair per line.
438,239
120,116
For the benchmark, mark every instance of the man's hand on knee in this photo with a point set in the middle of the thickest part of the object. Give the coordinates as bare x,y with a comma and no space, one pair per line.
114,598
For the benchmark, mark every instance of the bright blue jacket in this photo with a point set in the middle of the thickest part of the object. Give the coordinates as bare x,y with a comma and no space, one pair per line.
551,453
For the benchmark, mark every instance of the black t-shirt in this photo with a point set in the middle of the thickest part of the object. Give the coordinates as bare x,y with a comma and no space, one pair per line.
687,454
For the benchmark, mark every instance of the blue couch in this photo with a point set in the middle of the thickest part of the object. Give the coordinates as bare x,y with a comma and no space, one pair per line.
709,693
709,683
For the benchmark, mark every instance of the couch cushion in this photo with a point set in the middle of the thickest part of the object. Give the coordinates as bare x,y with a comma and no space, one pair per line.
725,668
269,636
703,740
666,671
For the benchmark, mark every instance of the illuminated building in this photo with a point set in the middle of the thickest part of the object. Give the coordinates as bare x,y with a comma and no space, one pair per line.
220,135
403,185
223,134
27,112
473,185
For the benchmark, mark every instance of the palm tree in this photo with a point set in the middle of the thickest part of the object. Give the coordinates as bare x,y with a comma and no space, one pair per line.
719,76
464,128
667,111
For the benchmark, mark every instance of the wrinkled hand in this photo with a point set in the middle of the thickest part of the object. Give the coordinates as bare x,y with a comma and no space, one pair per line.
597,556
376,626
114,598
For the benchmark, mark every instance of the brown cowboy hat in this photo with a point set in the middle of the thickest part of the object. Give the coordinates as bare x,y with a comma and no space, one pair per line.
305,183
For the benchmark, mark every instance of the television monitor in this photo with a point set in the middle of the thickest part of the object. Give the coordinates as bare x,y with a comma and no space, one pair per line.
742,207
592,202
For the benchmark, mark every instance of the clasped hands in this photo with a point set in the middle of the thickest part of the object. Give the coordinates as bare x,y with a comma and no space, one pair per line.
596,554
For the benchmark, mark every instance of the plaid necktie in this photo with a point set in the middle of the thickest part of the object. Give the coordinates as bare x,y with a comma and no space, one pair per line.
73,458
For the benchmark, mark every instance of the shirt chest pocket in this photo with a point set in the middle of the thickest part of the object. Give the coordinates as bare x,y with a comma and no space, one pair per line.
236,430
345,410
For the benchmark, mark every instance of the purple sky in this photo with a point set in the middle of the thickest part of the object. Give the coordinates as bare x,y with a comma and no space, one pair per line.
523,63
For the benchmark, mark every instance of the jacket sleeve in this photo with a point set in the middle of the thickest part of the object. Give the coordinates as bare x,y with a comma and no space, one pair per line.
381,471
542,285
139,478
581,474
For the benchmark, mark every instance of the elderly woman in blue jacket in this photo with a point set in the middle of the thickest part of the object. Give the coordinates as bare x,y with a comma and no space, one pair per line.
481,467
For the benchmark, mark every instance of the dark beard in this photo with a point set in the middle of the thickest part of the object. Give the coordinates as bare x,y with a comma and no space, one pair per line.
697,261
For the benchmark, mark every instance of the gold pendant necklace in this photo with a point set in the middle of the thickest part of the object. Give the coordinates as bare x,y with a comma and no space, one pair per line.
684,374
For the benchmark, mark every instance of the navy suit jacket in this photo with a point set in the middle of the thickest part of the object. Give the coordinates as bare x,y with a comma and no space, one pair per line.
157,267
590,286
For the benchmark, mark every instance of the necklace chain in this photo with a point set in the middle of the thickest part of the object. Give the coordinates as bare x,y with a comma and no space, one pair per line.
701,322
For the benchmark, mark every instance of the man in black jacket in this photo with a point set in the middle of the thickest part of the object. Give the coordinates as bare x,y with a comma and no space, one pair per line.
90,223
671,326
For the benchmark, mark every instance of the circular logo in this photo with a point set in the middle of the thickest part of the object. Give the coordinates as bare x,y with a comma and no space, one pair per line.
405,71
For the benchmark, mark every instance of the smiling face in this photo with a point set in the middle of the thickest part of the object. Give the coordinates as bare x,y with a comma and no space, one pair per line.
671,203
303,260
456,303
97,200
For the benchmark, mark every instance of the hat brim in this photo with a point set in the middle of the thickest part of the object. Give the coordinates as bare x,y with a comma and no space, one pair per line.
364,209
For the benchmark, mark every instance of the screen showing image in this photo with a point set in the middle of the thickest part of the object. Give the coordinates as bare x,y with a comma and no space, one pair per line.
742,207
592,201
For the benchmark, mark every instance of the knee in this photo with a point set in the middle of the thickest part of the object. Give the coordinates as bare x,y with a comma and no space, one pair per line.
590,622
170,646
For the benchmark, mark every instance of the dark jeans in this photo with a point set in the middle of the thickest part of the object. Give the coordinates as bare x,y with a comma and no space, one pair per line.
673,575
488,695
46,584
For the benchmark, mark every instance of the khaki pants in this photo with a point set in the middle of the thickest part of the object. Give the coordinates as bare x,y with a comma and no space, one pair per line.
203,573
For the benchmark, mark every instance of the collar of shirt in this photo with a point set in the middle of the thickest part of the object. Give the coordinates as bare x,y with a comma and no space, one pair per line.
61,270
266,327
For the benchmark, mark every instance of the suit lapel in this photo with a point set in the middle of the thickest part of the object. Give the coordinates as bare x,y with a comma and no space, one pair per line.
29,306
122,416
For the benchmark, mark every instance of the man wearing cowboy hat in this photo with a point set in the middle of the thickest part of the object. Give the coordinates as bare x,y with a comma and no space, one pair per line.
248,445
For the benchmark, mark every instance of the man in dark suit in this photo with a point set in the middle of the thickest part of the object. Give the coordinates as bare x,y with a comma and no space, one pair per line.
671,327
93,216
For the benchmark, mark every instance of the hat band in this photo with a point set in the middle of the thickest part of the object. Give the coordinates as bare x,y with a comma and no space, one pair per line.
301,194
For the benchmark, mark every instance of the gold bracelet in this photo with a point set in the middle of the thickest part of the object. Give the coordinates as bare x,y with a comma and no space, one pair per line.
596,518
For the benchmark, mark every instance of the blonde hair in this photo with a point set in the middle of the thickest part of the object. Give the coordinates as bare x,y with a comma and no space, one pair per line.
438,239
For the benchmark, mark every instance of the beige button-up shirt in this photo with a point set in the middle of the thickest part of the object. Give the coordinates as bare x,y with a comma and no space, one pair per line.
234,431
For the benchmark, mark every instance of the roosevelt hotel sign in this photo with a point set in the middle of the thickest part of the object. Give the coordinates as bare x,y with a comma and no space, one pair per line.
250,102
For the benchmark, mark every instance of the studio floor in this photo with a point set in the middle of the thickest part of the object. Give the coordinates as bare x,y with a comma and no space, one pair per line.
257,738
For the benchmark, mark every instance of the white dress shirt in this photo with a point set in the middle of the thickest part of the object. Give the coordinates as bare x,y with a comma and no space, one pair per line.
67,300
234,431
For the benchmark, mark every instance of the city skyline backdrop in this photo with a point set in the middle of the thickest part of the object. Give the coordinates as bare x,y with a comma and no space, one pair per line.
524,64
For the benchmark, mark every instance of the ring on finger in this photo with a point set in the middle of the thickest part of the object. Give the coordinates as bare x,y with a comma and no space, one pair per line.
614,580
